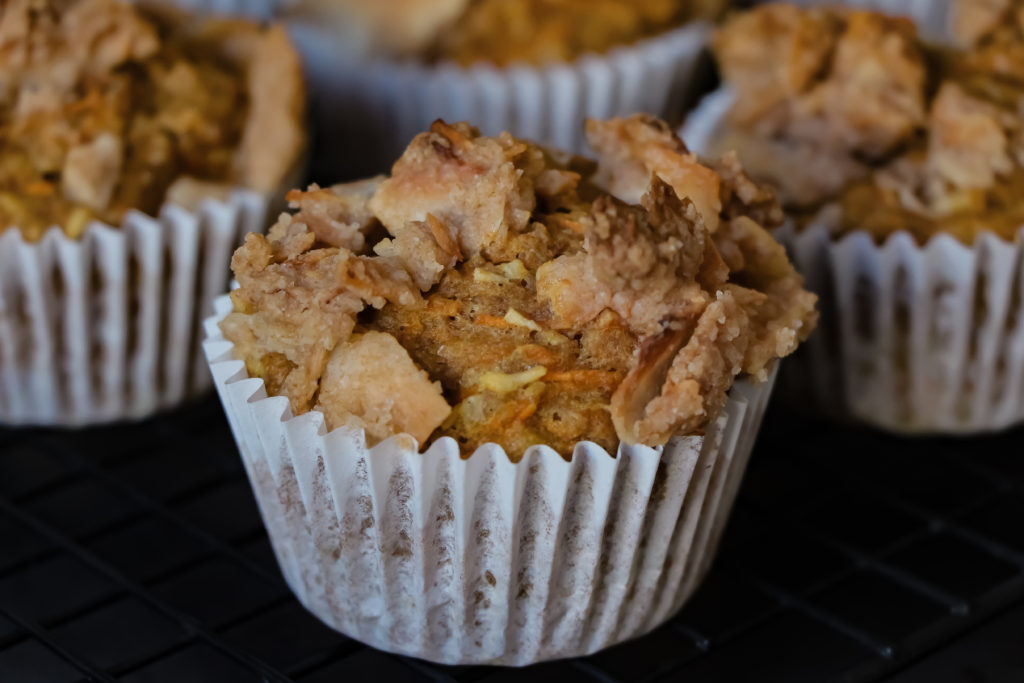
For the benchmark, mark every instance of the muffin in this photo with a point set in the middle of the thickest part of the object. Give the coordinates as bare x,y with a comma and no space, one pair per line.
176,131
902,165
520,315
384,71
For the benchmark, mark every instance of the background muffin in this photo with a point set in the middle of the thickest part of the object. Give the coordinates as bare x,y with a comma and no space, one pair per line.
112,115
902,165
522,316
384,71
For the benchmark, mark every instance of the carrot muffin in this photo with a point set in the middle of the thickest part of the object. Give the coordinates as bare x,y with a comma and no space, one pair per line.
850,107
108,107
505,31
494,291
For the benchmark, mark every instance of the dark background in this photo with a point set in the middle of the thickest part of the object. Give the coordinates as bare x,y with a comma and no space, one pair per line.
136,552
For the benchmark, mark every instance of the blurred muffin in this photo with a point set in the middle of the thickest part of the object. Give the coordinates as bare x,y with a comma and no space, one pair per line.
384,71
428,375
504,32
903,167
110,113
108,108
902,136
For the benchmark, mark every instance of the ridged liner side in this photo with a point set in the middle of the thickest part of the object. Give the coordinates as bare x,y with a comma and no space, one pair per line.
108,326
480,560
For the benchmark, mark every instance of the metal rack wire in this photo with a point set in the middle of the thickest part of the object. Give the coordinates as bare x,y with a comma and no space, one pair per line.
136,553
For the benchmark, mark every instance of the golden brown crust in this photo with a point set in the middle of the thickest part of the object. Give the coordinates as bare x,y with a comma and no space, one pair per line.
473,185
106,107
548,310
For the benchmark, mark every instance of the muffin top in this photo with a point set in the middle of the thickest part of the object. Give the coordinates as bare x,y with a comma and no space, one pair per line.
106,107
850,107
494,291
500,31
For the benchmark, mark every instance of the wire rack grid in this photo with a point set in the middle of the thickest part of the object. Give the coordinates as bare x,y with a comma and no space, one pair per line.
136,553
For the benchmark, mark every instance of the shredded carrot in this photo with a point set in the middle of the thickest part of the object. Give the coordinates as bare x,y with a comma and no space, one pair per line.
510,413
535,353
584,377
527,410
40,188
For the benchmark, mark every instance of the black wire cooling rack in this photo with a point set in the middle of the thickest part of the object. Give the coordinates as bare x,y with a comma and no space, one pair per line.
136,553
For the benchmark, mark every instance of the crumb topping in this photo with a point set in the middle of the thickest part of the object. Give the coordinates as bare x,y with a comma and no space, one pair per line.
105,107
850,107
494,291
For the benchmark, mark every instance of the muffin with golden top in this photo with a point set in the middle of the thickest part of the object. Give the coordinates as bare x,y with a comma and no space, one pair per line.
511,374
902,164
127,133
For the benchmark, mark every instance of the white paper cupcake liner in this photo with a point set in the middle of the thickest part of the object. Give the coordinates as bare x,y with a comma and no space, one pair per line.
480,560
107,327
912,338
933,17
365,114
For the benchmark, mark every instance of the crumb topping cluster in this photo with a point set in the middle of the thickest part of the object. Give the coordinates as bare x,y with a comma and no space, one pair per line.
105,107
494,291
850,107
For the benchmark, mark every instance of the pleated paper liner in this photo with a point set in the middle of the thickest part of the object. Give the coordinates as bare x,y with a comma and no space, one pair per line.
108,326
366,113
912,338
479,560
